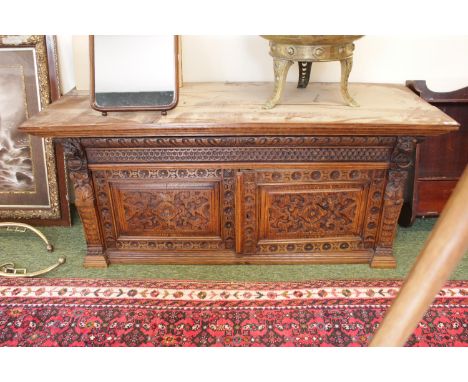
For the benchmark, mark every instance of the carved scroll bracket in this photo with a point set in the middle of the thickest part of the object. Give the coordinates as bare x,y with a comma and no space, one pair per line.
400,163
85,201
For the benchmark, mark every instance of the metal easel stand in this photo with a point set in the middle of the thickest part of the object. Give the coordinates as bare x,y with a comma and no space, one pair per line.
9,270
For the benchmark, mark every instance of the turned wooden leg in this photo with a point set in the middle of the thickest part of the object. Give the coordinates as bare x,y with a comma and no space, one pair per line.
346,66
85,202
304,74
280,68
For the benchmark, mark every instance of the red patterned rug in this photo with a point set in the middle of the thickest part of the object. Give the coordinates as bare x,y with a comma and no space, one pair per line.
74,312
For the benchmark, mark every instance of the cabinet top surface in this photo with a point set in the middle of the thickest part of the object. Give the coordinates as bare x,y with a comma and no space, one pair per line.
206,109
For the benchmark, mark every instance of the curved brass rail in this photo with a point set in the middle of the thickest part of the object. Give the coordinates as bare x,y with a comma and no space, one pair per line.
9,269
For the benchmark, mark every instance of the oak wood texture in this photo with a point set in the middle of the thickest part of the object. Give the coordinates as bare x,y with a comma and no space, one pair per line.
221,181
234,109
439,160
444,248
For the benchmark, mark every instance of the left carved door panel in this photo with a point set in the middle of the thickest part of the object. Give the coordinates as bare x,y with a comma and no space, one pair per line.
166,209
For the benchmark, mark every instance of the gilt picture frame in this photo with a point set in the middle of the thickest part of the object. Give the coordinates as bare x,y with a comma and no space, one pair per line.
33,183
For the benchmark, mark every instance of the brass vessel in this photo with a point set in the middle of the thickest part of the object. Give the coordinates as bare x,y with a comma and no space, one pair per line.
304,49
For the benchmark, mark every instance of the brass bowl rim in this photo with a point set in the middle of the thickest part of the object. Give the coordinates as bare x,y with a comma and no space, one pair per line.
312,39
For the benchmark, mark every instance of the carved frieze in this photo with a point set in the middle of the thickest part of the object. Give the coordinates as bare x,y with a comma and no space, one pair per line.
265,141
238,154
170,245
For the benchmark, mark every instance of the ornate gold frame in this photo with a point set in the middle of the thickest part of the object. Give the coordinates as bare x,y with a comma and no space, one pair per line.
39,43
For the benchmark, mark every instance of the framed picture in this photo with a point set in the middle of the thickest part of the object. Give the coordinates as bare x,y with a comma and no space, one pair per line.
33,186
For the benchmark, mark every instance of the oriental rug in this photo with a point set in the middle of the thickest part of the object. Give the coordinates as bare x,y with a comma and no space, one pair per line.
84,312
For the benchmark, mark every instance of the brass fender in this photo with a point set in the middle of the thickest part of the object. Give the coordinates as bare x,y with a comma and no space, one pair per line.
9,269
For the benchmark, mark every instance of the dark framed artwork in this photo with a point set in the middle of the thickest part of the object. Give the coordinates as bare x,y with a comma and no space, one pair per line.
33,185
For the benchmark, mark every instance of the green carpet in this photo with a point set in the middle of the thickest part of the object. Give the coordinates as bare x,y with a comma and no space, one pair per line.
27,250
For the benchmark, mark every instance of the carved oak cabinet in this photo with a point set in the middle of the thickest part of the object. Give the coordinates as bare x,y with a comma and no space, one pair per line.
219,180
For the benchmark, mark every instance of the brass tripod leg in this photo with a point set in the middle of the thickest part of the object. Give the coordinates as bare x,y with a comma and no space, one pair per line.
280,68
346,66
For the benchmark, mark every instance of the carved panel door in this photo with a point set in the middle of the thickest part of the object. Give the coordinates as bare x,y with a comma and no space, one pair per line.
322,208
166,209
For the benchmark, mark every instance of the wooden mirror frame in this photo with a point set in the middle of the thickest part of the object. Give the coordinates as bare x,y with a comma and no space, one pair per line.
163,109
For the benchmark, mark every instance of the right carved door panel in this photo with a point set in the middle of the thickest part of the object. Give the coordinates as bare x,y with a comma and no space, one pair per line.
321,208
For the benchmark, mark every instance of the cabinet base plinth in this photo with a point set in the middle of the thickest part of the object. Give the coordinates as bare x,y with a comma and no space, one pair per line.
226,258
95,259
383,258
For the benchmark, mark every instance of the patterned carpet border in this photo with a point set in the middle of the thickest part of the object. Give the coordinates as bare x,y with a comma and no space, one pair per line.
83,312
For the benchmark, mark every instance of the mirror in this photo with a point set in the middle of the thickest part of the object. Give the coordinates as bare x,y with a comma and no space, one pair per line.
130,73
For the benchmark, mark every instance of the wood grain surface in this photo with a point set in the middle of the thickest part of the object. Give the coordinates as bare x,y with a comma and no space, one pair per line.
207,109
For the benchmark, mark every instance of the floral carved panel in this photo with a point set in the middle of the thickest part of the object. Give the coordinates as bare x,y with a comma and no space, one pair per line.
166,209
316,209
169,211
311,213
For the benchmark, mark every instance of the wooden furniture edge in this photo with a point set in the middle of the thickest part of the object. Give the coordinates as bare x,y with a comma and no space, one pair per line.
246,129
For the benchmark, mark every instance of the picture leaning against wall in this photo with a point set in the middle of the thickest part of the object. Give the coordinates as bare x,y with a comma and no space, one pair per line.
32,175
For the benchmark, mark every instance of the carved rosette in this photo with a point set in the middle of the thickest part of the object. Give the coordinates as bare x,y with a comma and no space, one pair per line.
309,246
249,212
372,214
104,208
228,202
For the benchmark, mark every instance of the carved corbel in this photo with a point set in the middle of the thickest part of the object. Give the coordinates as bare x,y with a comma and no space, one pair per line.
400,162
85,202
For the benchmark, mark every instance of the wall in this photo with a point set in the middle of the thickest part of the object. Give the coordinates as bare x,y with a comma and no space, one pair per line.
441,60
66,60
